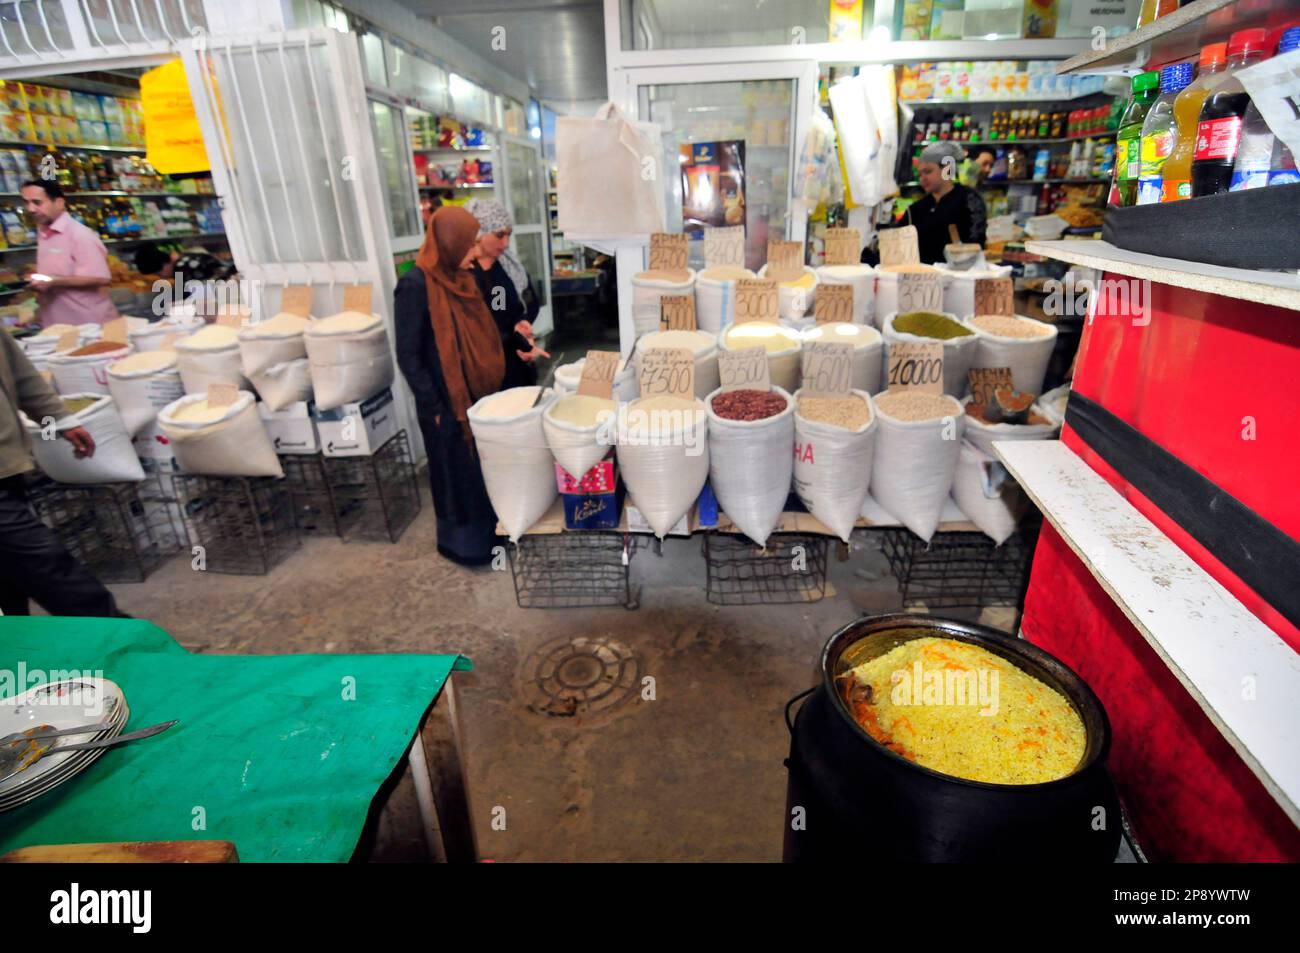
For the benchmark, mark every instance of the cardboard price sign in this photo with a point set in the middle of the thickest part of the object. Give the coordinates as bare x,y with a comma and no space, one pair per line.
296,299
920,292
843,246
667,251
745,369
985,380
114,331
898,246
834,303
756,300
68,341
994,296
784,260
916,367
677,313
724,246
222,395
598,372
231,319
358,298
667,372
827,369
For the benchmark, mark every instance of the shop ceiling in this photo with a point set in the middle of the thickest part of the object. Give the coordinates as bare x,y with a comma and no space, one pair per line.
556,46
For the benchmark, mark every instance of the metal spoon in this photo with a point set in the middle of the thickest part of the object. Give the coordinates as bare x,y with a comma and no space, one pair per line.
8,768
20,736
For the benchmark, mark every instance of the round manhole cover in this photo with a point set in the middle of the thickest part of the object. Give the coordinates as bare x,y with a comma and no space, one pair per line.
580,677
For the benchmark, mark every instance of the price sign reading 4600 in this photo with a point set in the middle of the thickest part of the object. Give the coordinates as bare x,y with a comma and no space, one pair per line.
916,367
667,372
827,369
745,369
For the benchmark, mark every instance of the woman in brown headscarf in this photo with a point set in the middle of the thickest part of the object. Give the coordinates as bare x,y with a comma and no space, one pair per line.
450,353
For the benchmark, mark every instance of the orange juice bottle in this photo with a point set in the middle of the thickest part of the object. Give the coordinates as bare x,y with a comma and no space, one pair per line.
1177,182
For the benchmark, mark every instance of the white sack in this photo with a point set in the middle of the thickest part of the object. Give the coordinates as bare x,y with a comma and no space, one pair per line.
83,375
257,352
283,385
575,448
601,169
518,468
348,366
862,279
236,445
200,368
706,366
959,286
715,303
666,469
795,304
784,367
139,395
886,302
913,467
832,468
149,338
750,467
958,356
989,498
646,292
1027,357
868,359
982,435
114,459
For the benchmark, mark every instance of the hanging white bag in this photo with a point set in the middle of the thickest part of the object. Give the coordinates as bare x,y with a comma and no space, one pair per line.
914,463
350,358
868,350
578,447
663,455
518,467
213,440
958,354
862,279
715,296
210,356
832,468
1027,357
282,385
272,342
610,149
750,467
143,384
114,459
983,491
85,373
648,287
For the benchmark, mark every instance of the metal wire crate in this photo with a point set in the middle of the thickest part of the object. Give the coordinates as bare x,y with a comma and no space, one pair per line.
314,508
375,497
962,569
244,524
119,531
791,568
574,570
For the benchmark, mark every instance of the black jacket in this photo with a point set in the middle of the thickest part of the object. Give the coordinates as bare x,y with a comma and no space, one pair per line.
508,309
962,207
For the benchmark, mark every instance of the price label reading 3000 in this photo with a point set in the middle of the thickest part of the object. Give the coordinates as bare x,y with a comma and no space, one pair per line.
756,300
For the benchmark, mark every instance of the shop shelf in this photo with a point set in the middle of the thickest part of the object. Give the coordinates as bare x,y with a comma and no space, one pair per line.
57,146
960,569
791,568
244,525
121,194
374,497
1105,134
1206,637
573,570
135,241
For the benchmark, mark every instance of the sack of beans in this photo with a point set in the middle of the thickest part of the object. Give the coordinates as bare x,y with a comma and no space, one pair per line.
84,369
579,430
986,495
715,296
862,279
783,345
625,381
350,358
834,442
959,285
150,337
284,384
750,432
1020,343
868,350
916,456
795,298
518,468
114,459
887,287
210,356
271,342
219,439
663,454
649,286
984,425
703,345
143,384
959,342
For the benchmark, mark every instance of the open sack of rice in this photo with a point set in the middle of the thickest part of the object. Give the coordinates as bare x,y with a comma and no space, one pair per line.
580,430
84,369
219,440
143,384
518,467
649,286
349,356
114,459
210,356
701,344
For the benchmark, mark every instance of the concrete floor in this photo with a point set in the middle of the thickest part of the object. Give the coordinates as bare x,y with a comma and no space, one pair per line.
695,774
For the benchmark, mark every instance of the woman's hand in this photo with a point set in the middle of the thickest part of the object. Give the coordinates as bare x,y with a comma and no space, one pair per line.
525,328
534,354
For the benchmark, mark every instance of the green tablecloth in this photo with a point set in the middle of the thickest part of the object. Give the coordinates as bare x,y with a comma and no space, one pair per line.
271,752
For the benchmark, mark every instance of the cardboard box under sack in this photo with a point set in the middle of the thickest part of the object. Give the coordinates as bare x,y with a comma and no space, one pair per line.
636,523
292,430
593,510
357,429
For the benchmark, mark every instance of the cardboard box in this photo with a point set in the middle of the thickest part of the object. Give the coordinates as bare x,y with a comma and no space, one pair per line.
357,429
593,510
292,430
636,523
602,478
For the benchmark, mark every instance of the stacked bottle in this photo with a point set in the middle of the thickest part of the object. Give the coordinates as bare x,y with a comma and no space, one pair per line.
1158,132
1176,181
1263,158
1218,129
1128,141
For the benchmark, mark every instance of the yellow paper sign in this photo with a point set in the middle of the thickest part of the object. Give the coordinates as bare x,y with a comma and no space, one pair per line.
173,139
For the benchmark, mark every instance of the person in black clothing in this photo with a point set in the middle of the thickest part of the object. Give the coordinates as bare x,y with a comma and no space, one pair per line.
947,202
506,289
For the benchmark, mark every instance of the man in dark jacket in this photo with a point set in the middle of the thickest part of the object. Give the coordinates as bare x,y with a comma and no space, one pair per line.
947,202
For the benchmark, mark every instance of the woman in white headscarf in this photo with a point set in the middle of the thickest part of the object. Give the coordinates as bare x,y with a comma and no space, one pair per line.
505,287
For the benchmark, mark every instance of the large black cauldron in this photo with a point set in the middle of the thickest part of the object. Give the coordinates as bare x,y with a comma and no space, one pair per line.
860,800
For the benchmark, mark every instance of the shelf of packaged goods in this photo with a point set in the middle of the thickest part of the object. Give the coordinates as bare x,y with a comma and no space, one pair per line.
1177,36
1200,631
60,146
1279,289
1021,142
113,193
441,150
198,236
1024,100
476,185
1009,182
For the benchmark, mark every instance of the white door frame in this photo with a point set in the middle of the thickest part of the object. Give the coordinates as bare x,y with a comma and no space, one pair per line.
545,322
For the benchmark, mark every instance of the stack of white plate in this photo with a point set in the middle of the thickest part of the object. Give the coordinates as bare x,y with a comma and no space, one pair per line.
74,703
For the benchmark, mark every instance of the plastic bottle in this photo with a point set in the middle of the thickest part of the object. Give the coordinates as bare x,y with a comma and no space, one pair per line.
1218,129
1128,140
1254,166
1177,178
1158,132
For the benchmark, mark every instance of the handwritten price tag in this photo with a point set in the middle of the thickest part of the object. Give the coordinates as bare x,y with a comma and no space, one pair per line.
843,246
985,380
597,379
296,299
231,319
724,246
667,372
834,303
756,300
667,251
67,341
677,313
114,330
358,298
784,260
994,296
916,367
745,369
898,246
827,369
920,292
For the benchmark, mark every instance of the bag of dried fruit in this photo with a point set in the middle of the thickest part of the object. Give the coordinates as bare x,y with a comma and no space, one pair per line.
750,433
834,441
916,456
1020,343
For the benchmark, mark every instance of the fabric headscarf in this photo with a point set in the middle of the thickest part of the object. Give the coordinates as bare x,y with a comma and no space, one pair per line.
469,344
492,217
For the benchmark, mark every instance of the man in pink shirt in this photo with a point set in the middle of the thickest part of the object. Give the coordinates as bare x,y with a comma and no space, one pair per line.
72,277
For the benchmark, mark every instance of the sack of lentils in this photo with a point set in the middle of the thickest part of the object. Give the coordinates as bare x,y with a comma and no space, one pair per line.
750,432
916,456
834,441
959,341
1020,343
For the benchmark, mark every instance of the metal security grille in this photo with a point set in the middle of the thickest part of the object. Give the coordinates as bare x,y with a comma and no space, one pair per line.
961,569
791,568
244,525
42,33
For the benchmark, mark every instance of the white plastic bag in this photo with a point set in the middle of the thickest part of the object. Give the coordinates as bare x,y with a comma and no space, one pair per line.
518,468
794,304
750,467
646,293
989,498
715,302
139,395
913,467
664,459
610,172
282,385
575,448
87,374
862,279
235,445
704,347
1027,357
958,355
982,435
348,366
832,468
114,459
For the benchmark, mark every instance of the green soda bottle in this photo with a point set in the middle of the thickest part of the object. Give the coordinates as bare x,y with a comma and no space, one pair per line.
1128,141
